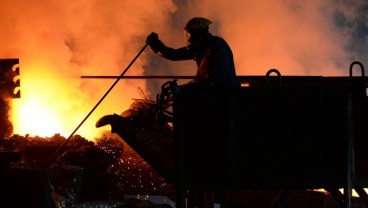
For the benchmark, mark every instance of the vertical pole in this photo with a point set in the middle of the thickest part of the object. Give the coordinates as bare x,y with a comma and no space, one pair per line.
179,153
350,154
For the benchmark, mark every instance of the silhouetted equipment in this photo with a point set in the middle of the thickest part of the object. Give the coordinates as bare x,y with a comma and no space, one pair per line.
20,186
9,83
9,88
275,132
273,135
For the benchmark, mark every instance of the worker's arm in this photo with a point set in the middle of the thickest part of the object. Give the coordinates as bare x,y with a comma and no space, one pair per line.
169,53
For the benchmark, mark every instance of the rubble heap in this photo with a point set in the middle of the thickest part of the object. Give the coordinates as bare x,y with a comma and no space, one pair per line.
86,174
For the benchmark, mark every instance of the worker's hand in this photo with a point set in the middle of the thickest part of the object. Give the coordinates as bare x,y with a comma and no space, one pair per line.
152,38
154,42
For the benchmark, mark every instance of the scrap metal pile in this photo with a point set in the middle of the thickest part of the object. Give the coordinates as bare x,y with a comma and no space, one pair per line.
87,174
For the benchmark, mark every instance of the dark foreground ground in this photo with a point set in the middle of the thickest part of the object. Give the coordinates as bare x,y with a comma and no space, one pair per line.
102,174
82,174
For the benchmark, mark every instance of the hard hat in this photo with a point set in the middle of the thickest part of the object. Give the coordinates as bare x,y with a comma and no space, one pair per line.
197,23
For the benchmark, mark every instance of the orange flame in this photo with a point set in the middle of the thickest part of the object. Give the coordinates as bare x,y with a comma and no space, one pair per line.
295,38
50,104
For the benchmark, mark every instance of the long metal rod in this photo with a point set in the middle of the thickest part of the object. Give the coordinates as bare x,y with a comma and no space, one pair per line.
138,77
97,104
188,77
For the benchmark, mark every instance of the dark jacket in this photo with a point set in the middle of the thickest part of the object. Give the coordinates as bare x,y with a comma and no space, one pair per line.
215,61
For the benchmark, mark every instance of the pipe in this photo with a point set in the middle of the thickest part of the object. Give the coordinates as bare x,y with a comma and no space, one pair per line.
94,108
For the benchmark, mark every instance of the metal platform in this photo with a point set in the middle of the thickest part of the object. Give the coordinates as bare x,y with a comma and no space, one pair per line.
273,136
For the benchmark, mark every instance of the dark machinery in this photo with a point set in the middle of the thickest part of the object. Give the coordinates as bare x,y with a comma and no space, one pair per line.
284,133
273,134
9,88
9,80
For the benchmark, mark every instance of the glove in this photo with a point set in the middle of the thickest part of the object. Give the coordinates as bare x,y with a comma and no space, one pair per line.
154,42
152,38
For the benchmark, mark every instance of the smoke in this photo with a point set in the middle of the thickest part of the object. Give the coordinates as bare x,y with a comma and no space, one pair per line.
296,37
58,41
352,21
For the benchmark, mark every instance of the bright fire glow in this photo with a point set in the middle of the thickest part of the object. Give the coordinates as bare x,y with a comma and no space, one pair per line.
58,41
42,118
44,109
50,105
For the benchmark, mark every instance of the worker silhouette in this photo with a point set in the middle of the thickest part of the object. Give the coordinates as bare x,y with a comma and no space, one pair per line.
215,68
212,54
